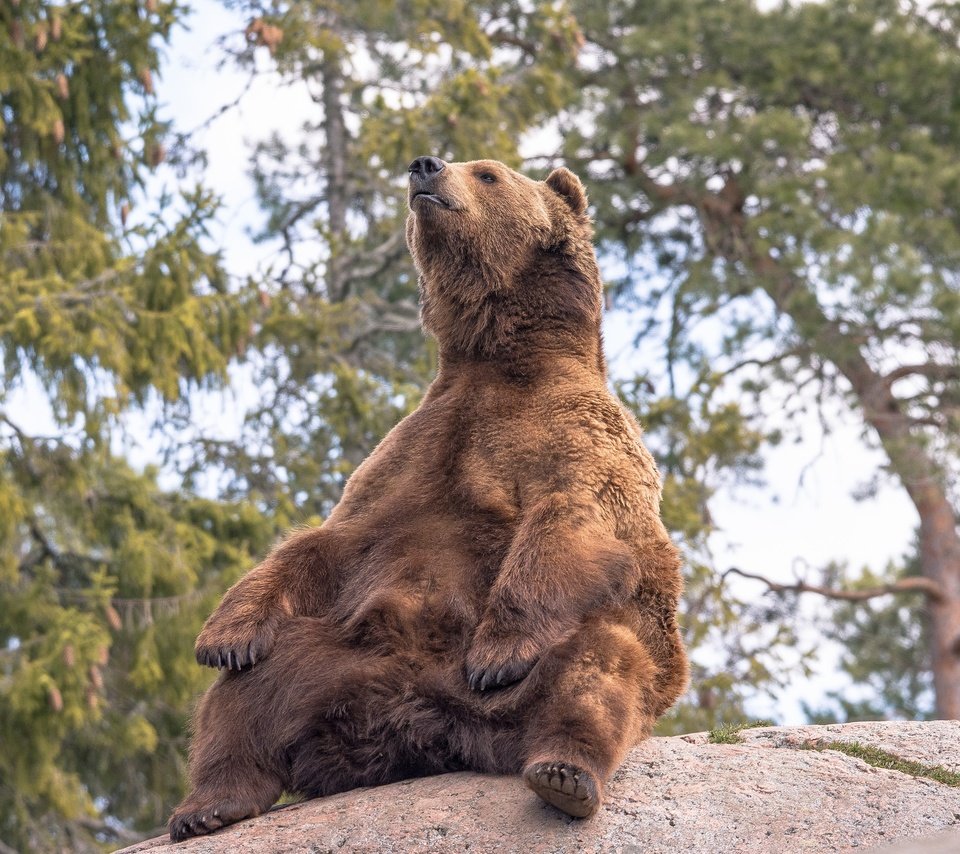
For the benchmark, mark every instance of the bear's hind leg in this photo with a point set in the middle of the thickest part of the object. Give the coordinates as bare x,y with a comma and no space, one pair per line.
232,773
224,795
278,726
592,707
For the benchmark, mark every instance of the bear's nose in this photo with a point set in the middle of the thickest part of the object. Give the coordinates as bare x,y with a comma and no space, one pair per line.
426,167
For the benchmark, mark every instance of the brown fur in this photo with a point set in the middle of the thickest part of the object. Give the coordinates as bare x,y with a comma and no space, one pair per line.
495,591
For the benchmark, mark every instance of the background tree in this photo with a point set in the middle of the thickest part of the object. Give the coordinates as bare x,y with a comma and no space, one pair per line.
885,650
794,173
104,577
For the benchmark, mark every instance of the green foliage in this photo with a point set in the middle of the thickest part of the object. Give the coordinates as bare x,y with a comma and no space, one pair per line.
885,650
100,312
792,171
779,185
104,577
96,678
820,136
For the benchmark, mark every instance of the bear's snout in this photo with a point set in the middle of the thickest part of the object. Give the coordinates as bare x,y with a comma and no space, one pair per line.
425,182
424,168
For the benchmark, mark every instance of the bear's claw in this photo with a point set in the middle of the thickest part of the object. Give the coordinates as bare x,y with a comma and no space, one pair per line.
188,821
213,649
227,658
565,786
486,678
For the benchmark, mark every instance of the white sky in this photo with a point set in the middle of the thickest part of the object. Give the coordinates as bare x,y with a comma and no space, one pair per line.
762,531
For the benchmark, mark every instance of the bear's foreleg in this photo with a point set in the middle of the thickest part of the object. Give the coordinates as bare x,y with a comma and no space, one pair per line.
564,562
294,580
598,700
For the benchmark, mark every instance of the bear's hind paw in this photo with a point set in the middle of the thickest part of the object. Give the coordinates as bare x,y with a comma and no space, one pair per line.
189,820
565,786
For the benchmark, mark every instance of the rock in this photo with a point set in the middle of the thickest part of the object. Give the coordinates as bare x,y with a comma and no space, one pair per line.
941,843
778,790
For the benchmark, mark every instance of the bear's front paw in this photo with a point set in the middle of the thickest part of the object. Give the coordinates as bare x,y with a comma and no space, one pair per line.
497,663
234,645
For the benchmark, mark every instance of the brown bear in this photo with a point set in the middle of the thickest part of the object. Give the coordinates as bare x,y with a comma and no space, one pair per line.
495,591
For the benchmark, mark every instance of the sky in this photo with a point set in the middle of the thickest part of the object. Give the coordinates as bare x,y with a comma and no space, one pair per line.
808,510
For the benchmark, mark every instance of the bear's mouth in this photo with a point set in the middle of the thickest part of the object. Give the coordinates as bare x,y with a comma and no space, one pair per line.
431,197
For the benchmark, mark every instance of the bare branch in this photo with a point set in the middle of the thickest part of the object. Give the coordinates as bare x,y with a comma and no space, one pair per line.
933,371
368,264
904,585
776,359
224,108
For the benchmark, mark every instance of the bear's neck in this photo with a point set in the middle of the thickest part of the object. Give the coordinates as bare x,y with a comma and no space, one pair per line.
538,326
523,364
520,353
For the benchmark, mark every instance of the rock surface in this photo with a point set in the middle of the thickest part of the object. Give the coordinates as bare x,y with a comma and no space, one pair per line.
768,793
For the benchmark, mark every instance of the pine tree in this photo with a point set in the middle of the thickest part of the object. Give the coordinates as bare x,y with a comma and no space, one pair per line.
104,577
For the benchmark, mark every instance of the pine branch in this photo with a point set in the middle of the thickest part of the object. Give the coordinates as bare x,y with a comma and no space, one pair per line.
906,585
505,37
223,108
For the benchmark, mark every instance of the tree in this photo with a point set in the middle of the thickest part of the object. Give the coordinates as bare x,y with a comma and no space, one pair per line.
886,651
104,576
793,171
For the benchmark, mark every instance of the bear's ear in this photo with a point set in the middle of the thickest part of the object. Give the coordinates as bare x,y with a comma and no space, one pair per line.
567,185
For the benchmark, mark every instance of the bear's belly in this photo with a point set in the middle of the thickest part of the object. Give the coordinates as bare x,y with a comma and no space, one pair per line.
419,584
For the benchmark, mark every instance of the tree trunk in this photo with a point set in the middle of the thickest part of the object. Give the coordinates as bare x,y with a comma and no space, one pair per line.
940,559
920,474
726,235
335,165
939,539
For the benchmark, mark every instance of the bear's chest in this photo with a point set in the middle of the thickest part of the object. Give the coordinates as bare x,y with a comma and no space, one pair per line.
428,522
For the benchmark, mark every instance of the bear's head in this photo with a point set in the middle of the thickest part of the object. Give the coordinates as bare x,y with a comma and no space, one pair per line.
507,267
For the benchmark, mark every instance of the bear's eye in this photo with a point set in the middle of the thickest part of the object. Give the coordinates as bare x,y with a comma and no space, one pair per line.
487,177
